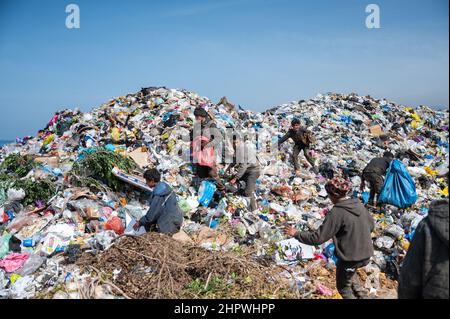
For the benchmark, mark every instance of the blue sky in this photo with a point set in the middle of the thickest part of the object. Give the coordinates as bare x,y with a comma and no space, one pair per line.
259,53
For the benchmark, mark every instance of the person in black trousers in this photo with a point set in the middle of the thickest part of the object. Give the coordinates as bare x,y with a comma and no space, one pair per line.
374,173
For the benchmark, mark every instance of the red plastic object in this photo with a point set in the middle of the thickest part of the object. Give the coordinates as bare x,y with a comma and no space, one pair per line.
116,225
203,157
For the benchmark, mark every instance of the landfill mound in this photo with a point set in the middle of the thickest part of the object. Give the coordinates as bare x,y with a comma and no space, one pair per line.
61,207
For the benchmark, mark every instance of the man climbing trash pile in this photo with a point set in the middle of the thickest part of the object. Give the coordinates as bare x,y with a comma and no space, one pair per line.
302,142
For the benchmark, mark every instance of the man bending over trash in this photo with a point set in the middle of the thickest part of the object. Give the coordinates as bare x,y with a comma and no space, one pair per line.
248,168
164,212
350,225
302,142
374,173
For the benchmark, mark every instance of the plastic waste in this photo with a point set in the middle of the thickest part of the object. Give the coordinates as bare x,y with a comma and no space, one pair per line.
50,243
13,261
384,242
116,225
15,195
23,288
399,188
31,265
206,193
203,157
4,245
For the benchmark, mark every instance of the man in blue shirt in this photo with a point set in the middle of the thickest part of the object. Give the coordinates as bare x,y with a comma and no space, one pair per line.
164,212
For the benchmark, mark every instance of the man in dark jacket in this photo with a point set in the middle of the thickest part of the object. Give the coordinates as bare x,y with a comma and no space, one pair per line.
302,141
164,212
374,173
248,169
424,273
350,225
206,127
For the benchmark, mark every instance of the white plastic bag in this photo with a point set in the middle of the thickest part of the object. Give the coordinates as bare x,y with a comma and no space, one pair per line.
51,242
15,195
33,263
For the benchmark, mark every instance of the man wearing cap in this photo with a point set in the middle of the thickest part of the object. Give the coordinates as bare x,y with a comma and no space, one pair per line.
350,225
374,173
302,142
205,127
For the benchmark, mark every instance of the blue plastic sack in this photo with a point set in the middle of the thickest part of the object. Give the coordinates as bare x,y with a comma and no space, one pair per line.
399,189
206,193
329,252
365,197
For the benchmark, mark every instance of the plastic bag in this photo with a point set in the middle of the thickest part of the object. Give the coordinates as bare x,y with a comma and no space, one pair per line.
365,197
64,231
3,280
116,225
442,169
206,193
4,245
399,189
21,221
395,230
184,206
384,242
324,290
51,243
203,157
135,211
13,261
15,195
115,134
329,252
103,240
24,287
291,251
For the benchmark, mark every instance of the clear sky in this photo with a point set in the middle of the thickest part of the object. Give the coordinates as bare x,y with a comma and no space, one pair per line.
259,53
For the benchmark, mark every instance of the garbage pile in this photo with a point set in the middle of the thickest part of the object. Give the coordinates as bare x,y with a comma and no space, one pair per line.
154,266
66,220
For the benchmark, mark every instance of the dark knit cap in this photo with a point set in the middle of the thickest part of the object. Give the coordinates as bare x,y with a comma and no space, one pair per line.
338,187
199,111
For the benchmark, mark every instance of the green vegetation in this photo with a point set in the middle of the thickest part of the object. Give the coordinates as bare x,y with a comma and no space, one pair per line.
99,164
18,165
41,190
214,286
